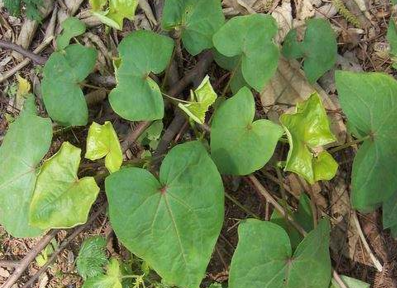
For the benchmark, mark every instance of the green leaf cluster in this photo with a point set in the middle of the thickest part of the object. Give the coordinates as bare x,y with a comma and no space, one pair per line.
196,20
137,96
369,101
264,257
249,40
172,222
25,144
307,130
239,145
63,72
318,48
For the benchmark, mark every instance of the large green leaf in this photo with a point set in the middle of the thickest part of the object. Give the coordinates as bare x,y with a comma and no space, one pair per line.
392,39
198,20
264,258
369,101
172,223
240,146
115,12
137,97
25,144
102,141
72,27
307,129
112,279
92,257
61,199
250,38
318,48
200,101
63,73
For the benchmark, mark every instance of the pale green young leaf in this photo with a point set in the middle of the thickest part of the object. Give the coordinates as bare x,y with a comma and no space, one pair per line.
369,100
350,283
72,27
116,12
324,166
102,141
137,97
264,257
92,257
318,48
239,145
200,101
307,129
172,223
63,72
112,278
251,39
42,258
198,20
61,199
25,144
392,39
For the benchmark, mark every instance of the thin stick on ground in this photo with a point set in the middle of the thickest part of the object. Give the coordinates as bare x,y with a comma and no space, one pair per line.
31,55
26,61
65,244
29,258
365,243
251,179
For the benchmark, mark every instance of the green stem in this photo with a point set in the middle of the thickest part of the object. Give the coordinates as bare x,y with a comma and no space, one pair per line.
283,195
232,74
348,144
241,206
175,99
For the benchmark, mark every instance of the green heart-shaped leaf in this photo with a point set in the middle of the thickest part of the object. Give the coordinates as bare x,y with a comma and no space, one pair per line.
137,97
116,12
61,199
25,144
369,101
264,258
198,21
63,73
102,141
238,145
250,38
112,279
201,100
172,223
72,27
318,48
307,129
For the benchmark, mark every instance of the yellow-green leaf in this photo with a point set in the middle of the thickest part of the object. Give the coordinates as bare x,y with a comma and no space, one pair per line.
116,12
307,130
61,199
201,100
102,141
